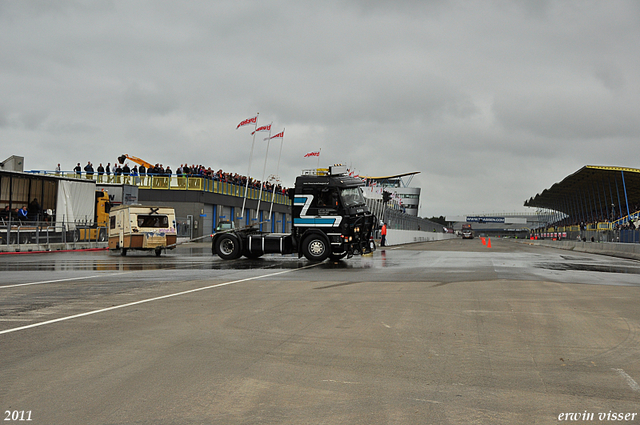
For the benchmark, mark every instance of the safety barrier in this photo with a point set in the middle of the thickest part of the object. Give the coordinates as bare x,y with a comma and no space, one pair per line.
623,250
400,221
44,233
596,234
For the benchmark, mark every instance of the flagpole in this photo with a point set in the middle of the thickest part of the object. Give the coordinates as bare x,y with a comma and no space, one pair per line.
273,193
246,186
264,168
319,151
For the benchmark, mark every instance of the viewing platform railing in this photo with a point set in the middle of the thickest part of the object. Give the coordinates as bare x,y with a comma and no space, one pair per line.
175,182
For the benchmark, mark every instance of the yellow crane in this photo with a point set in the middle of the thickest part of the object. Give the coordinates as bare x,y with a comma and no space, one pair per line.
135,159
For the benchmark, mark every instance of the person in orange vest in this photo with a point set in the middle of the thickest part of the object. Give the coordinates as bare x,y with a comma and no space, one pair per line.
383,234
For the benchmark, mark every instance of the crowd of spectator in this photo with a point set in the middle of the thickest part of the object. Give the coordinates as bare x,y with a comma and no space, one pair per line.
104,174
32,212
595,218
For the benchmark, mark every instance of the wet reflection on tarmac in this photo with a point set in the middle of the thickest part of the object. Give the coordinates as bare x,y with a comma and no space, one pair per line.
508,265
184,258
601,268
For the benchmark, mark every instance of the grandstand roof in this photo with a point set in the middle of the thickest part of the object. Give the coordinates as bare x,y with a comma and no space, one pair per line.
592,184
396,176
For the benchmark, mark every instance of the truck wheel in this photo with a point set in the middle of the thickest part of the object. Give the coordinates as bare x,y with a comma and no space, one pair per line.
158,252
102,236
315,248
123,252
228,247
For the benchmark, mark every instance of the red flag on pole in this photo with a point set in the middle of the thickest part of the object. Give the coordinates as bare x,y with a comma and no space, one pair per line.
278,136
312,154
248,121
263,128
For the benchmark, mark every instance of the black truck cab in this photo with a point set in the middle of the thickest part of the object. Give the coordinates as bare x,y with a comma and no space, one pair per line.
330,220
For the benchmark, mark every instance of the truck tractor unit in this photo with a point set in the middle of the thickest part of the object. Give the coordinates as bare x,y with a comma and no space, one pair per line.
330,220
467,231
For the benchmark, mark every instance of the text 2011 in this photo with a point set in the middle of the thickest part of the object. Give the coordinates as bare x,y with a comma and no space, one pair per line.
17,415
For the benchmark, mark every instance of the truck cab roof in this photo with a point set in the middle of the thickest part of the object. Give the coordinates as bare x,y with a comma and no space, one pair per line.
339,181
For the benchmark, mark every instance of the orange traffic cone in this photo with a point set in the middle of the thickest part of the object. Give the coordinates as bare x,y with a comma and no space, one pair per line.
483,240
489,243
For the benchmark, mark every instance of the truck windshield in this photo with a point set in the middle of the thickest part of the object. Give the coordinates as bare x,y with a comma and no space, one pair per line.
158,221
351,197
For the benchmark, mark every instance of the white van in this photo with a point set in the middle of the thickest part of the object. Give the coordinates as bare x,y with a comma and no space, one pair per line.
145,228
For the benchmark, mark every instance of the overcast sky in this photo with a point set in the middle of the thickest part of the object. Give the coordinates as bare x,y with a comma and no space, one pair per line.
491,101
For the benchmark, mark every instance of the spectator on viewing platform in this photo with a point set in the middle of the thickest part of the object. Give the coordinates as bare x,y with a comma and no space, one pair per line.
126,171
100,172
6,213
89,170
108,171
23,213
142,171
134,174
34,209
167,171
78,170
58,170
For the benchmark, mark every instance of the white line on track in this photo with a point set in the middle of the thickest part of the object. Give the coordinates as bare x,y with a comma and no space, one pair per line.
60,280
177,294
630,381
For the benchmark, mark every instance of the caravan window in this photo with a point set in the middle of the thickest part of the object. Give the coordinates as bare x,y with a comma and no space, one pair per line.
157,221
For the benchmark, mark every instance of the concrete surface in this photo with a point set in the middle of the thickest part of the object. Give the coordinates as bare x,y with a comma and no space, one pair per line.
447,332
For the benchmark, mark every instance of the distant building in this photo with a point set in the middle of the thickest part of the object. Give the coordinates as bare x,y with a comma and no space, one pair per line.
398,186
13,163
514,224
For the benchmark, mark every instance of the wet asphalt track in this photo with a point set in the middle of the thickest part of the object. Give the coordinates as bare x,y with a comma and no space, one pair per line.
440,332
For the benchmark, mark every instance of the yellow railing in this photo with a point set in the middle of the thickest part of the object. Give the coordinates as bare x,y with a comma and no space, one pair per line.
593,227
626,218
604,226
183,183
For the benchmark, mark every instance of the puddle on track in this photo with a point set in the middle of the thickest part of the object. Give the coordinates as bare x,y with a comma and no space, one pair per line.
600,268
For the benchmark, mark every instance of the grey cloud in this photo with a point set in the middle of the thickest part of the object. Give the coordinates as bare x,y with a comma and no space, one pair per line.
149,99
478,96
569,112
